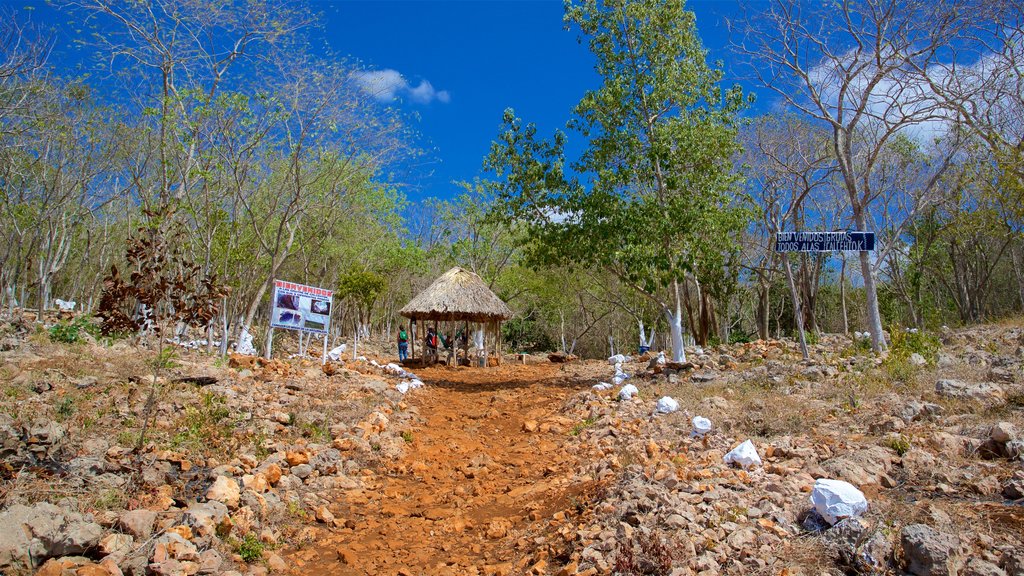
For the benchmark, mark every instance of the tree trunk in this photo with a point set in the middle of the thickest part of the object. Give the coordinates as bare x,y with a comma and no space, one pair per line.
675,322
878,343
797,312
842,295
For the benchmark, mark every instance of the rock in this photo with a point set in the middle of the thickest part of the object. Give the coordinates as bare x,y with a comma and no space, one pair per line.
1013,488
276,563
207,517
704,377
224,490
981,391
979,567
855,545
917,360
302,470
138,523
1003,432
116,544
915,410
296,458
928,552
28,534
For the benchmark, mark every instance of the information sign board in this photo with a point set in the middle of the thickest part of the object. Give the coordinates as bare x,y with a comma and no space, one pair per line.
300,307
843,241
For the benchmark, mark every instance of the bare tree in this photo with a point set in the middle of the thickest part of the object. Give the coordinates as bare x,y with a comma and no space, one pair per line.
856,65
788,160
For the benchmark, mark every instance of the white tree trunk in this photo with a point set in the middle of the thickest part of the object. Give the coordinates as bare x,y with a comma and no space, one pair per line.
675,323
874,316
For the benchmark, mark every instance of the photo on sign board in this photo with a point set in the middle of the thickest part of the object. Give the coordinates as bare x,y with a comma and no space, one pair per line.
289,301
313,325
321,307
292,318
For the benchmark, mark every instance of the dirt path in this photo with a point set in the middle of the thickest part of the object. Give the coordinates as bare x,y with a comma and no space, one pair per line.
482,478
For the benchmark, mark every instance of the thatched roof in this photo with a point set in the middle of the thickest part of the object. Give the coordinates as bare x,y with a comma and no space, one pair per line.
457,295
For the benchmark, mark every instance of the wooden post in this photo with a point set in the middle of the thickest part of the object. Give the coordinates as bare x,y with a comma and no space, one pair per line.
323,357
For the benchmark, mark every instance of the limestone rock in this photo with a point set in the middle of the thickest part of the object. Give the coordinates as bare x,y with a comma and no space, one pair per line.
928,552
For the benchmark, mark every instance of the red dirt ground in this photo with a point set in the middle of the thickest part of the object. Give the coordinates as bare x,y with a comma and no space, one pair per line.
475,488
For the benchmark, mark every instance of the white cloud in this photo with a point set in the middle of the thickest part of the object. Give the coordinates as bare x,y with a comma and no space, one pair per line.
387,85
990,87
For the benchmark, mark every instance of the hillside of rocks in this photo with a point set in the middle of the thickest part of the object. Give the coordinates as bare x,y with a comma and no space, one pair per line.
532,467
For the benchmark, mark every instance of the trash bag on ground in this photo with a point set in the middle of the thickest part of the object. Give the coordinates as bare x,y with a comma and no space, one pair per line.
701,426
602,386
836,500
627,392
64,305
744,455
335,353
667,405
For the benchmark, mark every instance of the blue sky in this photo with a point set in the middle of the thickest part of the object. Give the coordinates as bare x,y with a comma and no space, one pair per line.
484,56
455,65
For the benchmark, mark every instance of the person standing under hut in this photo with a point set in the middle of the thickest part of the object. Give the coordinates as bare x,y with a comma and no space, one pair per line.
430,344
403,344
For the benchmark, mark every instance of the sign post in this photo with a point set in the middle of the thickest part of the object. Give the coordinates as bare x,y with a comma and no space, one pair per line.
842,241
303,308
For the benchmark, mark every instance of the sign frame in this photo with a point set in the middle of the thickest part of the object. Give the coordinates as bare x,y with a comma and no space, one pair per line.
305,309
836,241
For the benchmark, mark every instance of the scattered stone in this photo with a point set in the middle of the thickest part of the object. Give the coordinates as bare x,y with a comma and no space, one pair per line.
138,523
224,490
928,552
981,391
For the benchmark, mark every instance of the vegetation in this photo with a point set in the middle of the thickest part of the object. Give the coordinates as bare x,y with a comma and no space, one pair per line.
145,205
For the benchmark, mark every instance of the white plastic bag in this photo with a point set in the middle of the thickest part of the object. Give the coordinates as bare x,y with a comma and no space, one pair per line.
394,369
335,354
415,383
667,405
835,500
744,455
602,386
627,392
661,359
244,345
701,426
402,386
65,306
617,359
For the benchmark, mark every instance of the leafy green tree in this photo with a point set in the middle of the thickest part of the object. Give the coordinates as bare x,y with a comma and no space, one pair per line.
656,198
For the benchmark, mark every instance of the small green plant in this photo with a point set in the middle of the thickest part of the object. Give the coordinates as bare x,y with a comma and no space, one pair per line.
295,509
316,430
110,500
250,548
65,408
581,426
904,343
127,438
898,444
407,436
71,332
202,424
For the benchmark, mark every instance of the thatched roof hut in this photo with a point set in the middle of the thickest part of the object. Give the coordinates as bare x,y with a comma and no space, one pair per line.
457,295
462,297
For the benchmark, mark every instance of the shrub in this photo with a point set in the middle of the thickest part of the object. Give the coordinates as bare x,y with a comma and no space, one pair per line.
250,548
899,444
903,343
71,332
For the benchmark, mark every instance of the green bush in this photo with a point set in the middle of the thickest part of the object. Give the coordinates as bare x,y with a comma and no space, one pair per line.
904,343
71,332
250,548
